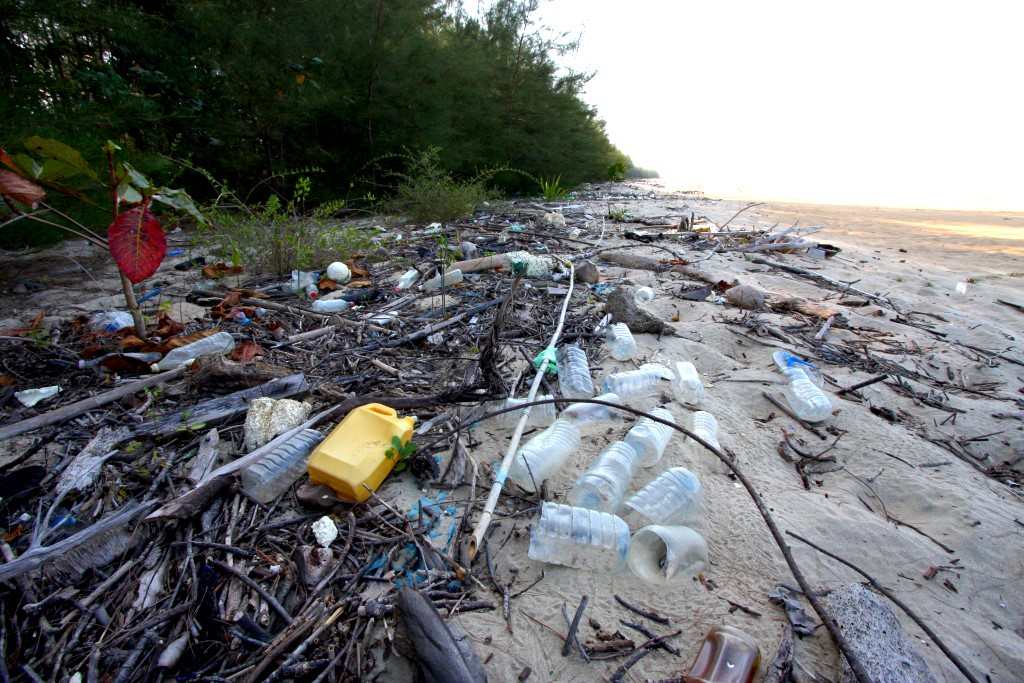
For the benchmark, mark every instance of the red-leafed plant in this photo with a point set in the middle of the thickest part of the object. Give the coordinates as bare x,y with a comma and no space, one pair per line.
134,237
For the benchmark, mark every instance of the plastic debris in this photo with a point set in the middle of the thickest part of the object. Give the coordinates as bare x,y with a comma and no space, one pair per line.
324,531
30,397
269,417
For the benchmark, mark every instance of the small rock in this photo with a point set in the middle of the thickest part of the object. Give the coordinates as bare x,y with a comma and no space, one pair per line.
268,417
587,272
20,288
745,296
324,531
316,496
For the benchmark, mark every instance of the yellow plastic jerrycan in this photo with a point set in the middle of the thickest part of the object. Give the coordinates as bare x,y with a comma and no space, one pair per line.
353,453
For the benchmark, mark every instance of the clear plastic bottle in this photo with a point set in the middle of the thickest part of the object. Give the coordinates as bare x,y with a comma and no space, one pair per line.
621,344
664,554
603,486
706,427
111,321
650,438
540,416
452,277
580,538
785,360
643,381
586,413
408,278
686,383
674,497
331,305
574,372
643,294
214,345
728,655
803,392
269,477
544,454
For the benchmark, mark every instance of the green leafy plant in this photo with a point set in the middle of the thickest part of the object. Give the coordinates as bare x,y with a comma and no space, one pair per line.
427,192
617,172
619,214
400,452
552,188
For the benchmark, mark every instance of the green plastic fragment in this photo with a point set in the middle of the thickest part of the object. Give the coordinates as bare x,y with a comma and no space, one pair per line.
548,355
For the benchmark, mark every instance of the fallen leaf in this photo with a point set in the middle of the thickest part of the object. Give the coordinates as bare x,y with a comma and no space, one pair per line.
327,284
356,269
930,572
166,326
215,271
356,284
182,340
124,365
246,351
224,308
6,380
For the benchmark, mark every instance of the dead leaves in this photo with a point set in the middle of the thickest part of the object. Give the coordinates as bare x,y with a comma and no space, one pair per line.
216,271
246,351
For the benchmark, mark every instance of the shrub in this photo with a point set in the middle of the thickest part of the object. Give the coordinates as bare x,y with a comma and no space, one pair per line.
426,192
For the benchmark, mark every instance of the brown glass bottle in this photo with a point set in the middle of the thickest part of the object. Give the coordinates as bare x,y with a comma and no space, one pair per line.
727,655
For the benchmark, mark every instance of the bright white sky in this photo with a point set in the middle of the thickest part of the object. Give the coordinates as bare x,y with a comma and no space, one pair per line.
894,103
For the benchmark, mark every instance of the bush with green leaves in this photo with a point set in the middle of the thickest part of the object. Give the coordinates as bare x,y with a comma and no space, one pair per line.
426,192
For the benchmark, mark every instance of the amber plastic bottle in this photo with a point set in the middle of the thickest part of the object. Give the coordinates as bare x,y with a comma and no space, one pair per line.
727,655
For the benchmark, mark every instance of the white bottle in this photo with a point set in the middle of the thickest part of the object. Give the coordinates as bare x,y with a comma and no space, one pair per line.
580,538
544,454
785,360
686,383
643,381
674,497
804,396
540,416
650,438
214,345
452,277
603,486
621,344
643,294
706,427
574,373
408,278
587,413
665,554
269,477
331,305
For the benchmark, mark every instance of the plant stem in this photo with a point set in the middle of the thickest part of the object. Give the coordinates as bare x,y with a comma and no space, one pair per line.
126,284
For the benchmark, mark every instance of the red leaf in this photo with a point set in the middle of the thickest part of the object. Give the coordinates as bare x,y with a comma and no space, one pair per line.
13,186
246,350
137,243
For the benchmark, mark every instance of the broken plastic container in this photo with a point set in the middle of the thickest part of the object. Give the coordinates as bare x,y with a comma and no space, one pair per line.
727,655
214,345
30,397
452,277
603,486
664,554
331,305
686,383
650,438
540,416
586,413
408,278
643,294
706,427
621,344
268,478
574,372
580,538
642,382
674,497
544,454
358,454
111,321
804,396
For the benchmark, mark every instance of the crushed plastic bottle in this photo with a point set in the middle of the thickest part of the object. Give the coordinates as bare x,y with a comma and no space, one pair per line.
805,398
214,345
675,496
728,655
686,383
603,486
580,538
706,427
544,454
30,397
269,477
650,438
452,277
331,306
540,416
587,413
621,344
469,250
574,372
664,554
642,382
408,278
536,266
643,294
111,321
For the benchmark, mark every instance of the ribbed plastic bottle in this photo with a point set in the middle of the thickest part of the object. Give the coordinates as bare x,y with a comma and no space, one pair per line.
686,383
728,655
805,398
452,277
603,486
574,372
540,416
331,306
642,382
544,454
664,554
214,345
706,427
674,497
650,438
621,344
580,538
586,413
269,477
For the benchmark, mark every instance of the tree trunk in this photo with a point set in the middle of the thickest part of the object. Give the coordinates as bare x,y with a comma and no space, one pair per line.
133,306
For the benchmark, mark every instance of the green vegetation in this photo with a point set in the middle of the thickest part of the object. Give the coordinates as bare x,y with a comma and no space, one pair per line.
401,452
552,189
245,90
